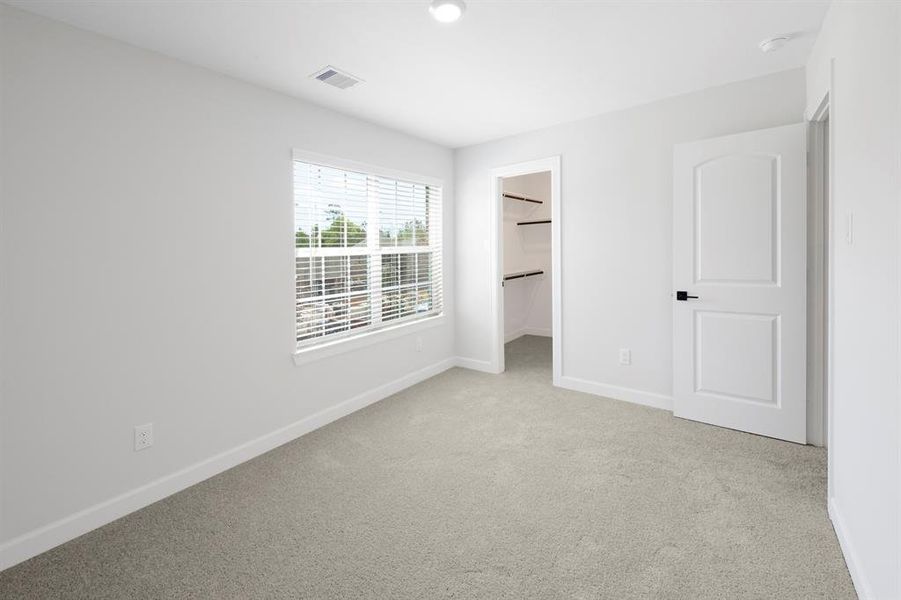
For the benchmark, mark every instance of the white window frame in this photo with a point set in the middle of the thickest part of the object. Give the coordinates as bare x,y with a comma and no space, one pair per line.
341,345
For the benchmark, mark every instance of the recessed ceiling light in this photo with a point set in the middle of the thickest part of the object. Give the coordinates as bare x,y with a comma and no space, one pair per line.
447,11
774,43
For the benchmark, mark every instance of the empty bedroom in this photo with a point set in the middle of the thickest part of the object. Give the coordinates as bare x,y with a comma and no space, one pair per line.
471,299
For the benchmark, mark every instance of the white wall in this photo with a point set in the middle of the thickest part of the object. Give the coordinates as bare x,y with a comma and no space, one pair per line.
616,228
527,301
147,273
863,40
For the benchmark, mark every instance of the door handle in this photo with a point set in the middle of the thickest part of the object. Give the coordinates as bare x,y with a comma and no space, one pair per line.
682,296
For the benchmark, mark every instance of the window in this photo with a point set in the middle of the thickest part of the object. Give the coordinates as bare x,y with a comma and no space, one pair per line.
367,252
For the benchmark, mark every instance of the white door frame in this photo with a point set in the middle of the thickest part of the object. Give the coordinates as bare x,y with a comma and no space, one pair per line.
496,252
825,111
819,356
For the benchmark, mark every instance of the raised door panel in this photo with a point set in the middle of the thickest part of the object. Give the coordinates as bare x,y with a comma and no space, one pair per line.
737,207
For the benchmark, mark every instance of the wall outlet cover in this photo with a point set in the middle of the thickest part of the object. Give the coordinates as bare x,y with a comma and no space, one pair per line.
143,436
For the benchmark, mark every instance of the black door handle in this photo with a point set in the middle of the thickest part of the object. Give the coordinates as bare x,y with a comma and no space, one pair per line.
683,296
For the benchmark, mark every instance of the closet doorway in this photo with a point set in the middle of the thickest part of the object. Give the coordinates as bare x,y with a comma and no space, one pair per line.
525,260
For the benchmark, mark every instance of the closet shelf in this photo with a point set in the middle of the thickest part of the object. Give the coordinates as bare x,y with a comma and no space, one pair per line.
522,198
533,222
521,274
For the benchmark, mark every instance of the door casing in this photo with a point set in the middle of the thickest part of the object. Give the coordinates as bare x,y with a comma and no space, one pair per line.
496,254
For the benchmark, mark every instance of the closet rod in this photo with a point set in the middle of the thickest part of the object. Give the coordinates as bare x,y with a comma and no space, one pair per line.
522,198
533,222
521,275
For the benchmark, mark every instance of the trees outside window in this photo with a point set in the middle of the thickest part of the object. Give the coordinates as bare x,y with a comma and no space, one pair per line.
367,252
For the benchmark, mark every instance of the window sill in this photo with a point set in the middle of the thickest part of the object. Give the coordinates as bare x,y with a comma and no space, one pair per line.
308,355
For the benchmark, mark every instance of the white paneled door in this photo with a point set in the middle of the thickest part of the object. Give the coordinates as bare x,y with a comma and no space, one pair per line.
740,284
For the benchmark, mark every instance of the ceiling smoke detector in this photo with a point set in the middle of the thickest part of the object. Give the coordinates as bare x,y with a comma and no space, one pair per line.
774,43
447,11
336,78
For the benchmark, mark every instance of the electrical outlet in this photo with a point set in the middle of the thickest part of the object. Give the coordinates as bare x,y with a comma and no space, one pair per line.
143,436
625,356
419,344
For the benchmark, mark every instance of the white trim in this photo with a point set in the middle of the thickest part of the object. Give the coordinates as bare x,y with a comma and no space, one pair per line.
348,344
496,273
556,271
496,258
841,532
475,364
44,538
373,333
613,392
819,249
826,107
616,392
527,331
830,294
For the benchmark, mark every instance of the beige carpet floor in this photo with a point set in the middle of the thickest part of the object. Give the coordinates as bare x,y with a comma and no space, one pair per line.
478,486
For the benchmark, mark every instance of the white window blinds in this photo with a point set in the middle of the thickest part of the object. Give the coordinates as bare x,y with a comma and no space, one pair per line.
367,252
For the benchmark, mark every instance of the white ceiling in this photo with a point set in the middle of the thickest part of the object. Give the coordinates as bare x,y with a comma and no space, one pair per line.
506,67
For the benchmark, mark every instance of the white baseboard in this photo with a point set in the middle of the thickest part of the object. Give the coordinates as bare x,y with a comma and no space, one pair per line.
475,364
617,393
841,532
44,538
509,337
526,331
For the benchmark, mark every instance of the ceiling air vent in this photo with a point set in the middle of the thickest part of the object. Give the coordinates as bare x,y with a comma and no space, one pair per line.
334,77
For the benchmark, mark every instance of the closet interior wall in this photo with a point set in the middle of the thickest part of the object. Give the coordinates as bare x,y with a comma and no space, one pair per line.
527,247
